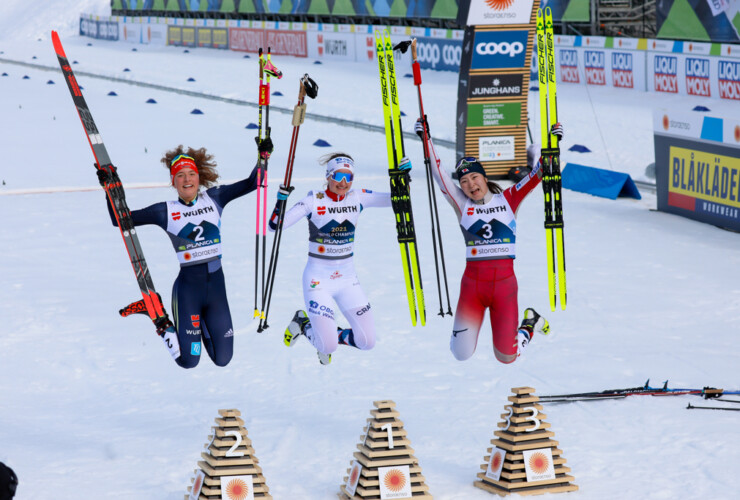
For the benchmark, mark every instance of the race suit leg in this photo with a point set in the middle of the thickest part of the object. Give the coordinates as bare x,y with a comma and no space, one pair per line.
504,313
468,315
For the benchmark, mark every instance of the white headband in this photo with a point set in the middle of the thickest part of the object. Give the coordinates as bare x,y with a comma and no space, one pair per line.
339,163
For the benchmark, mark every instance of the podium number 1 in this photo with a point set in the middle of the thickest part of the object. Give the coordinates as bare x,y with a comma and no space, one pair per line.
389,429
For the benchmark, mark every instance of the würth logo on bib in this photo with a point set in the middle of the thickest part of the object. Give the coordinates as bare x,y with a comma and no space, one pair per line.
195,319
321,210
471,210
175,215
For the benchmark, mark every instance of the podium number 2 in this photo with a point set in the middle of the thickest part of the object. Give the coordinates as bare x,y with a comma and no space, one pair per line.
232,451
389,429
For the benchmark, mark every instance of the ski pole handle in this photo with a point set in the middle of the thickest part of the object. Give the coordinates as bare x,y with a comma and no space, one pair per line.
415,64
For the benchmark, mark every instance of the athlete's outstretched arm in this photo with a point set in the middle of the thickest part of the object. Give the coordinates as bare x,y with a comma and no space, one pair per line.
516,193
372,199
453,194
294,214
153,214
226,193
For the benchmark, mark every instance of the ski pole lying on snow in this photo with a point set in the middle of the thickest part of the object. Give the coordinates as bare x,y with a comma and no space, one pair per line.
307,88
692,407
646,390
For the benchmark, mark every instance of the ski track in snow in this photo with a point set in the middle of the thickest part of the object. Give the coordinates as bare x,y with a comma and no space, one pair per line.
92,406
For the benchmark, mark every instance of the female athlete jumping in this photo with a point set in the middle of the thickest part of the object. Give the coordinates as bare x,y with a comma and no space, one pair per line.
329,277
487,216
193,223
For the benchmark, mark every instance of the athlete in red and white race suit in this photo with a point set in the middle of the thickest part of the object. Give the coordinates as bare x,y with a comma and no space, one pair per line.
329,276
487,216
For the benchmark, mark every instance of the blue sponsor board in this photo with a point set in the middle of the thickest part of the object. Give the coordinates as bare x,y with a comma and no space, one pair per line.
102,30
499,49
433,53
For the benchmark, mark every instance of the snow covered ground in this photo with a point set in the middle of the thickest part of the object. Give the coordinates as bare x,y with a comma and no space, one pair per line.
91,406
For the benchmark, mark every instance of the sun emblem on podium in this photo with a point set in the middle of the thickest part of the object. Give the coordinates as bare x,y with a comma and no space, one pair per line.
499,4
394,480
236,489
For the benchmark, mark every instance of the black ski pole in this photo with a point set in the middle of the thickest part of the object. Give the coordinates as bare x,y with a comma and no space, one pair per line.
307,88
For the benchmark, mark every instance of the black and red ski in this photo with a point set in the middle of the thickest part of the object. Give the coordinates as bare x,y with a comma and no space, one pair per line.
151,303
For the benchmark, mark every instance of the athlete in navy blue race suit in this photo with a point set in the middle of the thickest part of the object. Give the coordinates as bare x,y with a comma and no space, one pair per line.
193,223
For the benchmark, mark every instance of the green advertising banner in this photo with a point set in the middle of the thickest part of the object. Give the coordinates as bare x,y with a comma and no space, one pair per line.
494,114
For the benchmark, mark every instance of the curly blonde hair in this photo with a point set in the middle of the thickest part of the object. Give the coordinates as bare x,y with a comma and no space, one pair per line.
204,161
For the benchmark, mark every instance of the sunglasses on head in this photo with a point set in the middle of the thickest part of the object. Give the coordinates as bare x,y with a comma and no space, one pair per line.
466,162
180,157
342,176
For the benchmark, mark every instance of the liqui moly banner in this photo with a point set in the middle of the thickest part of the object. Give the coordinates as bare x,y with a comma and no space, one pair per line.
698,76
622,69
665,66
683,74
665,73
729,80
594,64
568,59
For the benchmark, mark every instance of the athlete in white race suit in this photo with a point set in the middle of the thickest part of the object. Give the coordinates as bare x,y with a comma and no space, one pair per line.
329,276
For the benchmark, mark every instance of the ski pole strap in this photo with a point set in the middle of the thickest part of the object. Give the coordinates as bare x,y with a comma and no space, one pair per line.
309,86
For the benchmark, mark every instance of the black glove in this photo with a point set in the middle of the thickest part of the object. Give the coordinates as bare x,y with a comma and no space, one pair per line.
265,147
284,192
104,175
558,130
419,128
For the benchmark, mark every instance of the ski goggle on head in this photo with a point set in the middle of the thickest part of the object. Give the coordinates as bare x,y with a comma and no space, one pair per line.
342,176
179,162
469,165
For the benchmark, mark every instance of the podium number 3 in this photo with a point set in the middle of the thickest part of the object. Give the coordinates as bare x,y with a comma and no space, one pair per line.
532,417
389,429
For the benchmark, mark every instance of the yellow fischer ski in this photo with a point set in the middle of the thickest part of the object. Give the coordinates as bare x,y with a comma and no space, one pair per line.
551,178
399,179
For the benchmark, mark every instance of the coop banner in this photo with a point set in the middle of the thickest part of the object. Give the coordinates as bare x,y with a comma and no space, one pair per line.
102,30
439,54
704,20
697,161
